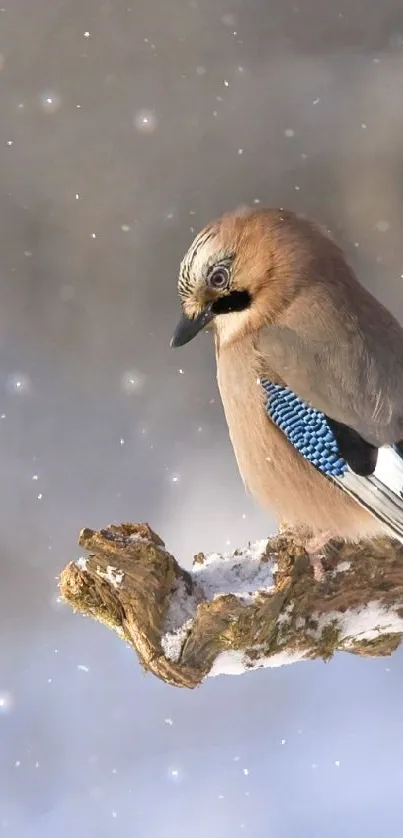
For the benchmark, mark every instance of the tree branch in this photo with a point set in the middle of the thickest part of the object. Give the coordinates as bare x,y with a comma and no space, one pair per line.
257,607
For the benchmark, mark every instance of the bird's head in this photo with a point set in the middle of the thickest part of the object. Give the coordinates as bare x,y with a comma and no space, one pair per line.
237,274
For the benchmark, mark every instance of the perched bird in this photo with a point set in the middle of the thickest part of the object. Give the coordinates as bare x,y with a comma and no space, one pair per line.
310,372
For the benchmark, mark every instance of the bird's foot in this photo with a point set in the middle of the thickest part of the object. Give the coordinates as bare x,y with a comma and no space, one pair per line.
314,547
319,573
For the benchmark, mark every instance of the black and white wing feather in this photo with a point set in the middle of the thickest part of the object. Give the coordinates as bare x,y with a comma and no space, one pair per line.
374,477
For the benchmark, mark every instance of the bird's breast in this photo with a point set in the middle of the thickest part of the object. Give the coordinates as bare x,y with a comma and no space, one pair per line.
280,478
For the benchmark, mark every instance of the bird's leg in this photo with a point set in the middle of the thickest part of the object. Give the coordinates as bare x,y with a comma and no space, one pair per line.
314,547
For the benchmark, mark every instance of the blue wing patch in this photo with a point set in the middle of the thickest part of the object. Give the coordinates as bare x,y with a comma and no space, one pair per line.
306,428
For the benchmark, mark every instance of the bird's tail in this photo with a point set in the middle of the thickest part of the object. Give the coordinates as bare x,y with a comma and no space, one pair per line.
382,492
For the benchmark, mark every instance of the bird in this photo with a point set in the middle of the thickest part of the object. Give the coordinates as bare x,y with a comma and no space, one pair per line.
309,370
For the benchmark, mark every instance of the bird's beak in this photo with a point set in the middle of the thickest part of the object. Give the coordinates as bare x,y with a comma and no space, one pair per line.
188,328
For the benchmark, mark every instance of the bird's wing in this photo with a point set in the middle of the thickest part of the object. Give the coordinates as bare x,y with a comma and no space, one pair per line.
339,366
353,375
317,438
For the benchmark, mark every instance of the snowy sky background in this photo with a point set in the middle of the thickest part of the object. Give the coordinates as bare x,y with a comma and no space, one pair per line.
125,125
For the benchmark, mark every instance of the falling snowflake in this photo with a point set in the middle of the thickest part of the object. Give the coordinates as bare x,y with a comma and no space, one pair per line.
18,383
132,381
145,121
382,226
50,102
6,702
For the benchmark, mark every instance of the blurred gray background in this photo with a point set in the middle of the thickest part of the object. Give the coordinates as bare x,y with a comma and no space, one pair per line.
125,125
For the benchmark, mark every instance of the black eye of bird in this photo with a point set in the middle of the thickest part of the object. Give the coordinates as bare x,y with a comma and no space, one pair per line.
219,278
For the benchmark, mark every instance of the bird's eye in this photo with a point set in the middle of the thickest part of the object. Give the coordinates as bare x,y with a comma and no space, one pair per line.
219,278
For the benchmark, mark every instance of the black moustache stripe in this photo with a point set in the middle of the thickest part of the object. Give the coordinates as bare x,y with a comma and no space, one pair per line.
235,301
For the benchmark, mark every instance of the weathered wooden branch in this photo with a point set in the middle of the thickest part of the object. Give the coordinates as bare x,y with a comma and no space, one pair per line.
257,607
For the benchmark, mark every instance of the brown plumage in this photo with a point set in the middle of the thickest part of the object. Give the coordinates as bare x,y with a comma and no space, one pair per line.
284,305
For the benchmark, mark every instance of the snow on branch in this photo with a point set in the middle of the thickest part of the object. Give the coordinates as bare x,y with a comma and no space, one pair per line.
256,607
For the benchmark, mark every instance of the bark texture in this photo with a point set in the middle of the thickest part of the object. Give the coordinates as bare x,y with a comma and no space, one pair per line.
183,629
